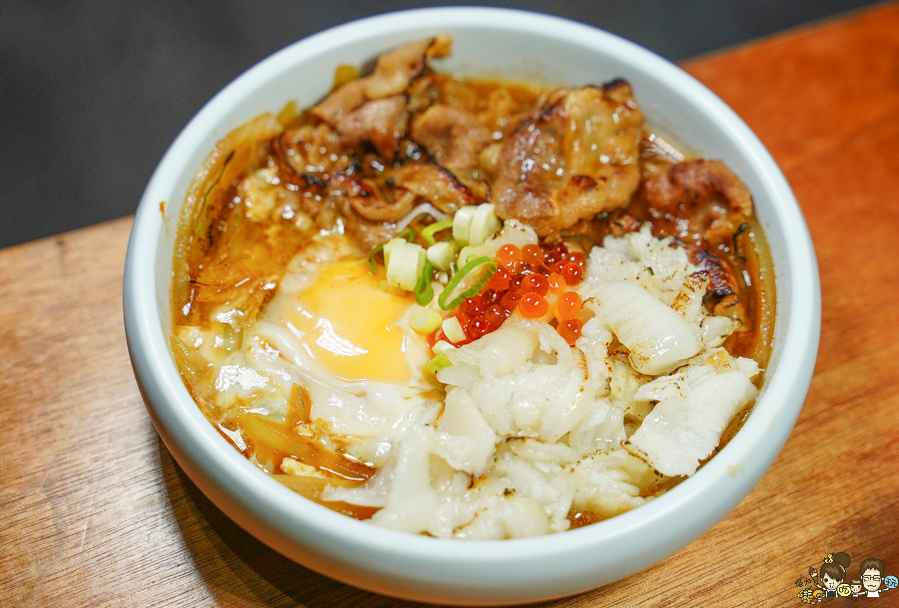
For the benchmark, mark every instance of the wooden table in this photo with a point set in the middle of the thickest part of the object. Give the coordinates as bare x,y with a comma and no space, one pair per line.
94,511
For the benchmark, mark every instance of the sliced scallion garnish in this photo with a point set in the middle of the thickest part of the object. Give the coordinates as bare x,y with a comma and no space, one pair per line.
435,365
471,252
483,224
405,263
462,223
452,291
372,264
453,330
423,291
425,320
428,232
441,254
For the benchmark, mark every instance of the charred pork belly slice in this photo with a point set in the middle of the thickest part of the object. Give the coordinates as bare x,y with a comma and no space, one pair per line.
381,122
453,136
392,74
576,156
435,184
333,108
371,201
314,152
390,195
722,280
700,200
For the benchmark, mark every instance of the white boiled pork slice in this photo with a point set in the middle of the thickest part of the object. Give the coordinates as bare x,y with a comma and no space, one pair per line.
686,425
658,338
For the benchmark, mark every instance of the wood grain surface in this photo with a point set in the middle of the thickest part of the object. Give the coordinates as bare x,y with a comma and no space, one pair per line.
94,511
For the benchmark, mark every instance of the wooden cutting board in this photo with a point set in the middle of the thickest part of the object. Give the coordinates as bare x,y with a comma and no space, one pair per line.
94,511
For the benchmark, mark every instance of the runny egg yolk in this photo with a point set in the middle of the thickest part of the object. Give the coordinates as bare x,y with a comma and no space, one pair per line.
350,326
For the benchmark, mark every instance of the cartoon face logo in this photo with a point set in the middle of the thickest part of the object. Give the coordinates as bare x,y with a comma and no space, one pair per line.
891,582
871,580
843,590
831,583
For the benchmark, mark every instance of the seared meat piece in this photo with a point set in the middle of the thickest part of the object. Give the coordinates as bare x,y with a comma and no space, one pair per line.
341,102
396,69
393,73
706,206
452,135
576,156
435,184
367,233
365,197
699,200
313,152
391,195
372,207
722,281
381,122
373,108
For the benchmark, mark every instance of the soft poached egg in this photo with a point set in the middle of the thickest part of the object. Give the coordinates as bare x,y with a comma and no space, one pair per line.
348,326
333,330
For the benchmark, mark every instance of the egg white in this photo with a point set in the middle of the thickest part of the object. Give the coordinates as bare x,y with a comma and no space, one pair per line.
332,330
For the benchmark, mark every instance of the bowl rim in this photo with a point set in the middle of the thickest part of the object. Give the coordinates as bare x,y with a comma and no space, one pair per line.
171,406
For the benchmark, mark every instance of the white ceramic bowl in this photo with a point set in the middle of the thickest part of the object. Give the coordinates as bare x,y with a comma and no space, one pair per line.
487,42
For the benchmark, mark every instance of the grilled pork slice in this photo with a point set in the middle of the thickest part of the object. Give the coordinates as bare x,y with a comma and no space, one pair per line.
575,156
381,122
452,135
392,74
374,108
705,193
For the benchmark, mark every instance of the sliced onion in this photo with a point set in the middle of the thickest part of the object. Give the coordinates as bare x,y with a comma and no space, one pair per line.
422,209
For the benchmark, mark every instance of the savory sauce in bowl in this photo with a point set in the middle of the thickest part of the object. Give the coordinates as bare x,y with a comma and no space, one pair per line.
470,309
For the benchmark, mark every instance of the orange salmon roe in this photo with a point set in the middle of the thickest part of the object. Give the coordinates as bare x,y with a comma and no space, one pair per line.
535,283
500,279
533,305
569,305
523,277
570,330
508,254
532,254
556,282
572,273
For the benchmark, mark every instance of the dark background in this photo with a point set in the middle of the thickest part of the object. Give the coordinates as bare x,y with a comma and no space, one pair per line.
92,92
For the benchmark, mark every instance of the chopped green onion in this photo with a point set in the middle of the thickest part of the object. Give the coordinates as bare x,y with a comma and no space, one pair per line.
372,264
462,223
435,365
428,232
388,249
473,289
425,320
423,291
405,263
474,224
471,252
440,255
484,224
442,347
407,234
453,330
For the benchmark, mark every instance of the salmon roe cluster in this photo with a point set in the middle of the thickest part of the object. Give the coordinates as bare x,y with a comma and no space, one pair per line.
537,281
